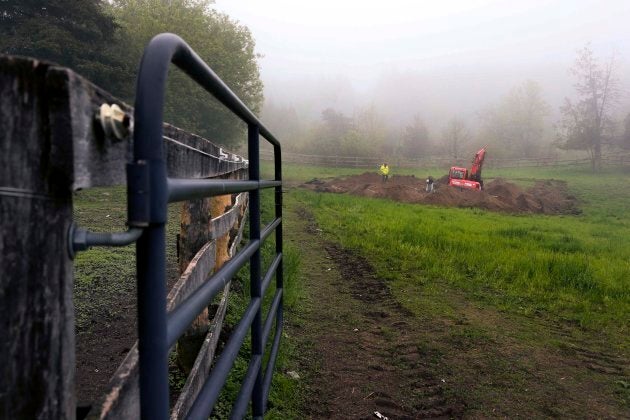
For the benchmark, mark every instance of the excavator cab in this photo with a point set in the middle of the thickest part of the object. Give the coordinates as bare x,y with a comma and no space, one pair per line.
459,177
458,173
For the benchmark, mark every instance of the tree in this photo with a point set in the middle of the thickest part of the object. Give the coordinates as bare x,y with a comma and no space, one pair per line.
455,135
371,132
76,34
516,125
415,138
333,132
586,123
227,46
285,123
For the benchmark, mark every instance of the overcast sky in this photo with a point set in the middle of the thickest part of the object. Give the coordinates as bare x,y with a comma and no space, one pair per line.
364,41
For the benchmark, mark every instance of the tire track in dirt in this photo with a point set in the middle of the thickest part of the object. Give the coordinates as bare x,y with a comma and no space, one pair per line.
369,360
585,354
462,358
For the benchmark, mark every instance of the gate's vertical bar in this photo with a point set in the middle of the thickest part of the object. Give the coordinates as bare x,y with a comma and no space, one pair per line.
151,247
254,263
152,323
279,270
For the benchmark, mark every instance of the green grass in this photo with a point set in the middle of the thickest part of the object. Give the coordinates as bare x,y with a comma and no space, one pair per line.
105,275
574,267
285,398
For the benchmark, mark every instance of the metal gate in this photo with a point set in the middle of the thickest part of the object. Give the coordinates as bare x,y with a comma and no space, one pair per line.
149,191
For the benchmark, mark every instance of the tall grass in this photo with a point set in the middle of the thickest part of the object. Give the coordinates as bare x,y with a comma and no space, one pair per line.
575,267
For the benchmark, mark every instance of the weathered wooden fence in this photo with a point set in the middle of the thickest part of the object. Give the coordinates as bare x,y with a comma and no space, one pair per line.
56,137
619,159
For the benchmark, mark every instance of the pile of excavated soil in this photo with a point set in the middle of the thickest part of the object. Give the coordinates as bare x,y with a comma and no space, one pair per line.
547,197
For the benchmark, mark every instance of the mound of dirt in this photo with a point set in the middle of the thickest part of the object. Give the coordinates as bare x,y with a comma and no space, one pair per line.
548,197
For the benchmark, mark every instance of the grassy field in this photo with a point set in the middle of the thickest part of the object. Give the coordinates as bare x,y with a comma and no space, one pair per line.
575,267
526,300
572,270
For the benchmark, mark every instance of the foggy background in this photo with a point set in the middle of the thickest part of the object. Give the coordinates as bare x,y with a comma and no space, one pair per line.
430,60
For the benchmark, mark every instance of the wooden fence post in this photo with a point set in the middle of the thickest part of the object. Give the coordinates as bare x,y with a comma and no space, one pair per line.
37,317
195,232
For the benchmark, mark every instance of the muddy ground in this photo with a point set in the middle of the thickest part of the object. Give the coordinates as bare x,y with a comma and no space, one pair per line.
362,351
546,197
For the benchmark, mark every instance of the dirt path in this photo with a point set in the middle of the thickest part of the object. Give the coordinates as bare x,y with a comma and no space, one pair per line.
366,359
363,351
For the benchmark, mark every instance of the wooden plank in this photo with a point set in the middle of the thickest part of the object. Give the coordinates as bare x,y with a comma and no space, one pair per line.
201,367
100,160
122,398
122,401
36,313
224,223
195,274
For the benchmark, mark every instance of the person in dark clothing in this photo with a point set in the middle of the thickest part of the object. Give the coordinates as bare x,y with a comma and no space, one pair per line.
429,184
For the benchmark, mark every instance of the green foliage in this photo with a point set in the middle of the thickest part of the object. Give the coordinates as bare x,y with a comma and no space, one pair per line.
223,43
455,135
415,139
586,123
76,34
104,41
516,125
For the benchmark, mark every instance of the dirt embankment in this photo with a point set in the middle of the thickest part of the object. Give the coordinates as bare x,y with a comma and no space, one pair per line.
546,197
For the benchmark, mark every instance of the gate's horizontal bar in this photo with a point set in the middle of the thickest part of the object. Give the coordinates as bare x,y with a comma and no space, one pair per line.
187,189
269,228
202,407
83,239
183,315
270,272
271,315
270,364
169,47
239,409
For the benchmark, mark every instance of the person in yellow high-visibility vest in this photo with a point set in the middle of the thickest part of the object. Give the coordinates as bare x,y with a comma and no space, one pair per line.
384,171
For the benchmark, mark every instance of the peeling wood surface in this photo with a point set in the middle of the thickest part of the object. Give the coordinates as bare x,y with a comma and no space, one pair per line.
100,160
222,224
203,362
36,312
194,276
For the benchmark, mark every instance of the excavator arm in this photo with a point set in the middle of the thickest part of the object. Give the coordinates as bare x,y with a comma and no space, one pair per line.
477,165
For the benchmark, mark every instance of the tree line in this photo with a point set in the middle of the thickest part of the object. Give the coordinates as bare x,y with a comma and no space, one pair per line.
518,125
104,40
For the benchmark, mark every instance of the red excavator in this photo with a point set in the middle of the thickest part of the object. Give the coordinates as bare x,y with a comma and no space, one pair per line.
459,177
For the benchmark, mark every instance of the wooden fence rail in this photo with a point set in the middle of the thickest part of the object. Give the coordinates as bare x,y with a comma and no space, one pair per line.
51,144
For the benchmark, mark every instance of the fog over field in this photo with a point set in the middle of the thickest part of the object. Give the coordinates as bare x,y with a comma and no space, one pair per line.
435,60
